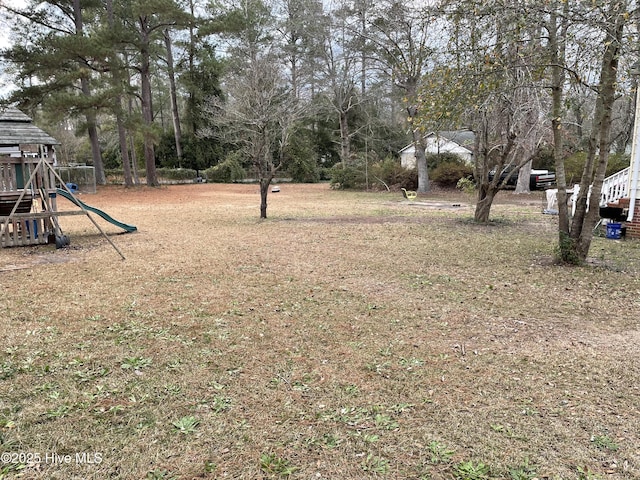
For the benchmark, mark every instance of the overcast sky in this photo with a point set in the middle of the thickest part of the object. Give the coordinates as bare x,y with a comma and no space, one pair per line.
6,84
5,28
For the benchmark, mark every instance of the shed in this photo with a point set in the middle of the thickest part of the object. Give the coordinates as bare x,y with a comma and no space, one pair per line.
460,142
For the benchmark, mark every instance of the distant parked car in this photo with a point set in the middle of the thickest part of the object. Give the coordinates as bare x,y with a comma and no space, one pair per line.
539,179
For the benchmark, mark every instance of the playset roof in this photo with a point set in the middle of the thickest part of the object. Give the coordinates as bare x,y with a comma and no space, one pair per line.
16,128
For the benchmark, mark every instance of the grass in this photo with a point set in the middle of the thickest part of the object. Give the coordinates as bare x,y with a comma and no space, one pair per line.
350,335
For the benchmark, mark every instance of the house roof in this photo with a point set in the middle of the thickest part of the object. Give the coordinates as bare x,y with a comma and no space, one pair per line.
16,128
464,138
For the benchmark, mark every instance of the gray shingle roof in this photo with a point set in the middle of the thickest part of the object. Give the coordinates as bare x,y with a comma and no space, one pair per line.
16,128
465,138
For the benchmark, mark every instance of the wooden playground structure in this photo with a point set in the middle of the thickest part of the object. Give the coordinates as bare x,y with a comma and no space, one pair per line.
28,209
30,185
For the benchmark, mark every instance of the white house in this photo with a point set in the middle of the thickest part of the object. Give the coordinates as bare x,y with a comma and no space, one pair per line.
459,142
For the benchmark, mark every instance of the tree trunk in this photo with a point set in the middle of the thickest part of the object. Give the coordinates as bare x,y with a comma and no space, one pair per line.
264,191
175,116
556,30
587,208
487,190
124,151
411,87
146,105
486,195
134,156
134,161
345,138
96,155
116,81
90,114
421,161
524,178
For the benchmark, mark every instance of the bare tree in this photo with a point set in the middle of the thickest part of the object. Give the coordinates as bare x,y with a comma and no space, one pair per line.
602,27
340,70
492,88
586,215
402,34
260,116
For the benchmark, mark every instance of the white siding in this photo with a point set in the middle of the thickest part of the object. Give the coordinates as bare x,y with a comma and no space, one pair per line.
435,145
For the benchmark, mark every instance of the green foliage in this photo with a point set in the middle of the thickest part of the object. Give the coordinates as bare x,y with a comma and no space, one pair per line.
176,173
574,165
344,178
448,174
466,185
566,250
301,161
375,464
434,160
230,170
617,162
167,174
392,173
303,170
270,463
388,172
471,471
186,424
135,363
160,475
448,93
166,153
202,81
604,442
197,153
543,159
201,153
584,473
439,453
111,159
525,471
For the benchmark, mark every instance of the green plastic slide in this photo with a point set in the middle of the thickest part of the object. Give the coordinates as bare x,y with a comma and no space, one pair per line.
127,228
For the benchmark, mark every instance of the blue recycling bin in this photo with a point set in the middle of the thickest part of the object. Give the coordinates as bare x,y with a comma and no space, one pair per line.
614,230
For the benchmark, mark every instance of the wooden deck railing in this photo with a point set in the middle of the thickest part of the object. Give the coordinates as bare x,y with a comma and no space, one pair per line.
615,187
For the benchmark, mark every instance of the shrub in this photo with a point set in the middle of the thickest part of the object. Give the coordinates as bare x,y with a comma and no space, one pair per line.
392,173
346,177
303,170
388,172
301,163
226,172
324,173
466,185
574,165
617,162
448,174
434,160
176,173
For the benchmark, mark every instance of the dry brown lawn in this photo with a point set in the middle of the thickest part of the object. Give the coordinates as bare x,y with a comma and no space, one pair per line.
351,335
